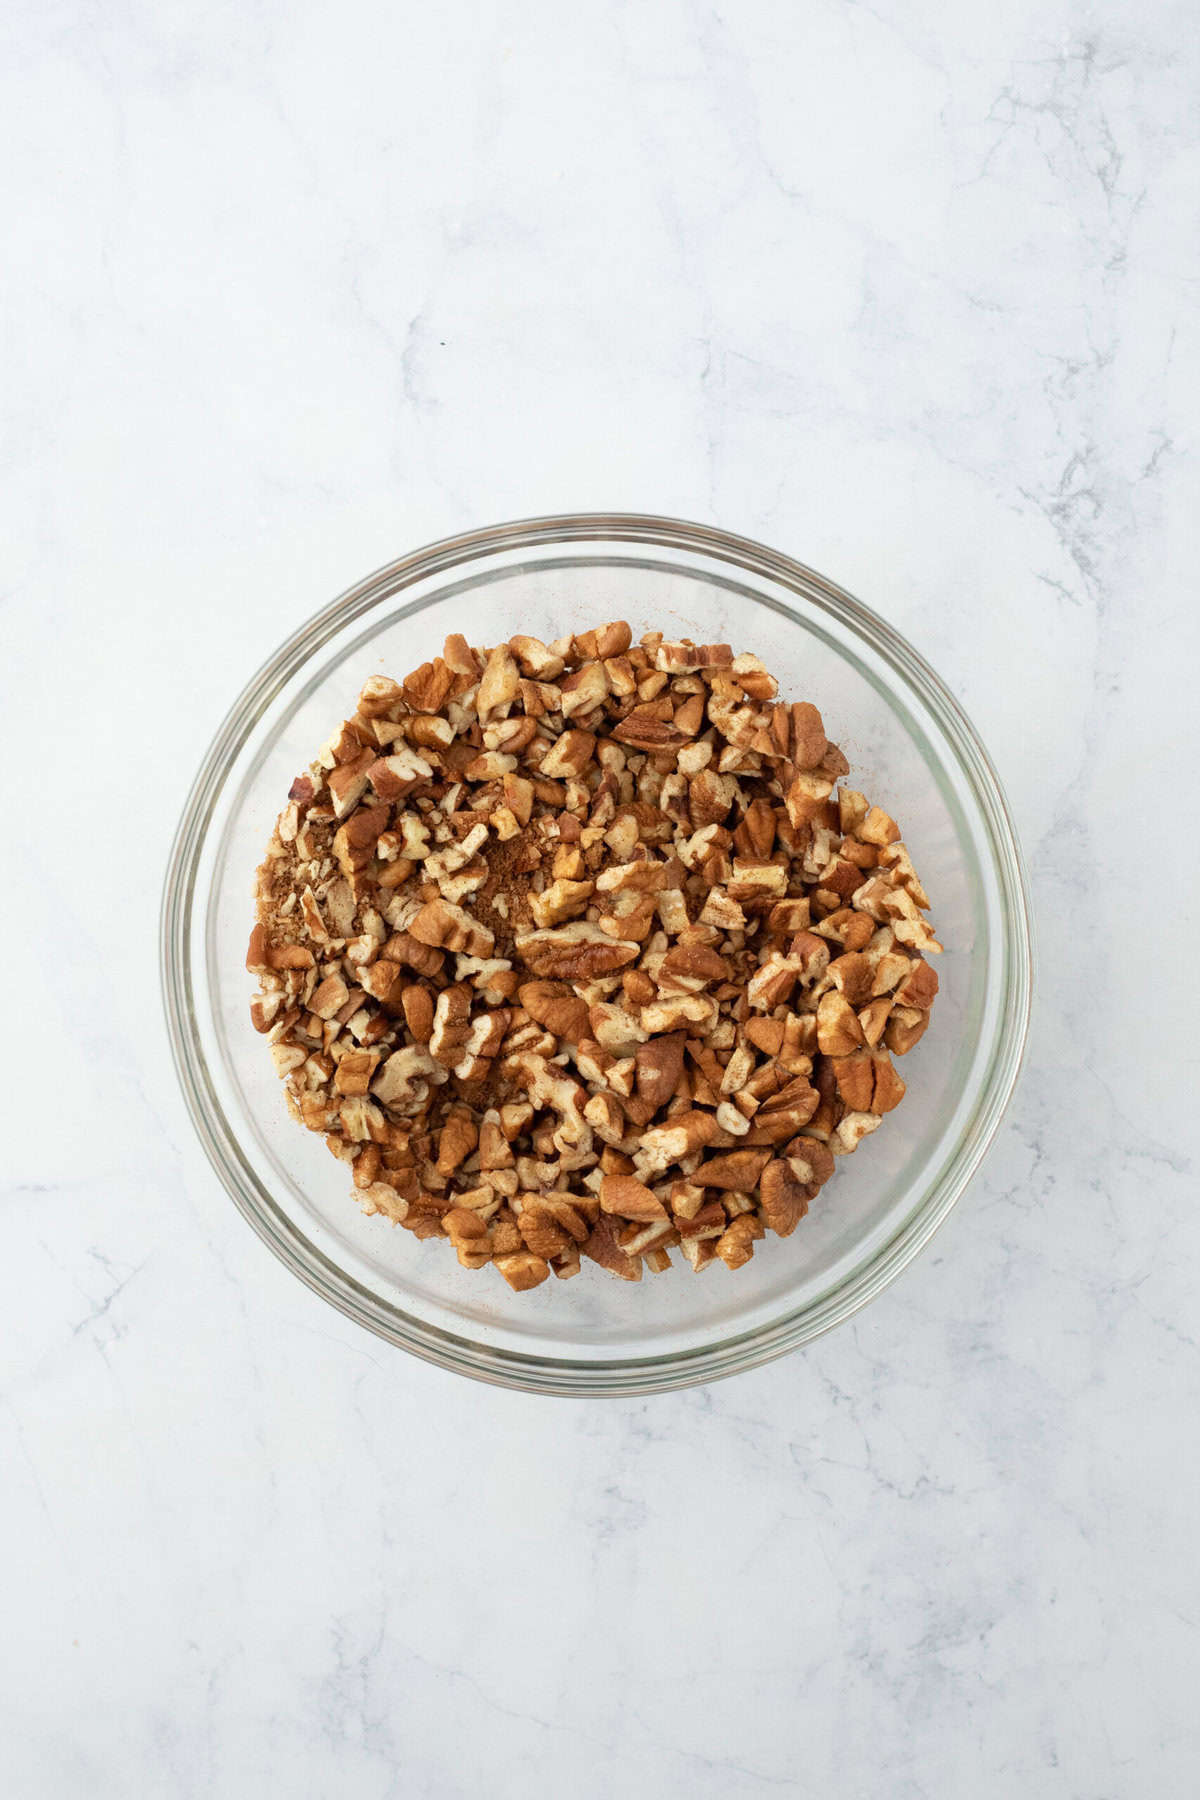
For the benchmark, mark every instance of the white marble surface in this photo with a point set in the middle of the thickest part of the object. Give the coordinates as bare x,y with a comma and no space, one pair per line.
905,288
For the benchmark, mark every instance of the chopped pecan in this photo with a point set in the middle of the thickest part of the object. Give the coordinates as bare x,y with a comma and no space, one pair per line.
684,657
329,997
427,688
382,1197
289,956
710,797
396,776
384,981
631,1198
457,1139
771,985
576,952
541,1231
694,966
783,1113
873,1018
845,927
555,1005
737,1171
851,1131
838,1029
905,1027
659,1064
354,1072
719,910
443,925
418,1003
806,797
855,1077
810,1161
603,641
853,975
919,987
642,731
784,1198
807,743
735,1246
521,1269
402,1084
584,689
665,932
498,684
878,828
666,1144
695,1012
606,1116
469,1235
699,1254
451,1026
347,783
535,659
569,755
561,900
404,949
603,1248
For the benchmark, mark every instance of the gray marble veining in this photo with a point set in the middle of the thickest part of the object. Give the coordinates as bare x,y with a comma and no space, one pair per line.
906,289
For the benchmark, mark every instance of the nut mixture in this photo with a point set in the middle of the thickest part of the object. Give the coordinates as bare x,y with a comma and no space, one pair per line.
573,949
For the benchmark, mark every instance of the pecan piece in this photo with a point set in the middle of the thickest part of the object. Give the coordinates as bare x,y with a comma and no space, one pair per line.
576,952
440,924
631,1198
694,966
919,987
396,776
905,1027
853,975
522,1269
659,1064
685,658
469,1235
603,1248
561,900
555,1005
855,1077
354,1072
498,684
838,1029
810,1161
737,1171
402,1084
418,1003
642,731
851,1131
584,689
458,1137
426,688
663,1145
569,755
603,641
695,1012
542,1233
782,1197
735,1246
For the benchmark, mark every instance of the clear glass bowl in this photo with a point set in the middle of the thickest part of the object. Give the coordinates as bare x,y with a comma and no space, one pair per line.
910,748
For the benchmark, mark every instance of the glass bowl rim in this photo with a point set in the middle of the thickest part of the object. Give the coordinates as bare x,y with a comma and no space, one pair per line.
560,1374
